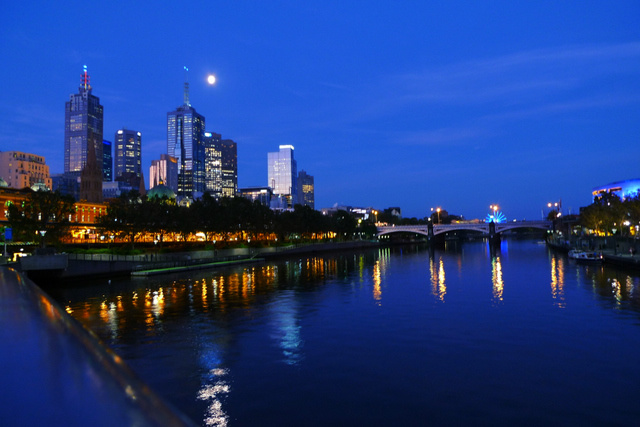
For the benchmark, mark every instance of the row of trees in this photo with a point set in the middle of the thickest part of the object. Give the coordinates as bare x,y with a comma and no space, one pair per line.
41,216
608,214
45,215
131,216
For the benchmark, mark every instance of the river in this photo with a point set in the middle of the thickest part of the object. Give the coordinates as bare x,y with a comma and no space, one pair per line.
391,336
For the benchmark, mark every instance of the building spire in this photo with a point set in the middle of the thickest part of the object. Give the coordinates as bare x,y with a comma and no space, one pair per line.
186,88
84,79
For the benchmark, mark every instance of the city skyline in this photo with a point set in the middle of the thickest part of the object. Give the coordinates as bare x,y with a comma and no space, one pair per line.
453,105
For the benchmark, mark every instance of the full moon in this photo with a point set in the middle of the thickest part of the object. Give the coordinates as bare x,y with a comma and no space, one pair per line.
211,79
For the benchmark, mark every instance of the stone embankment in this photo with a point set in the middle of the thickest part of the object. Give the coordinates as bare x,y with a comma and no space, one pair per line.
617,251
73,266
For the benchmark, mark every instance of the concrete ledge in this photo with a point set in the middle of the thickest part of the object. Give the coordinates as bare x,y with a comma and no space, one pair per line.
44,262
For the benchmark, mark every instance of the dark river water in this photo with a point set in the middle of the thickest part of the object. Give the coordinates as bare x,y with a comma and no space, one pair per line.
390,336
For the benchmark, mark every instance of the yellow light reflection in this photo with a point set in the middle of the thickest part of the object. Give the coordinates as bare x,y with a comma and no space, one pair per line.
438,285
557,282
496,278
377,282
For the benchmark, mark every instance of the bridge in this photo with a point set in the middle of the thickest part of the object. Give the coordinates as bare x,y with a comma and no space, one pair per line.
491,229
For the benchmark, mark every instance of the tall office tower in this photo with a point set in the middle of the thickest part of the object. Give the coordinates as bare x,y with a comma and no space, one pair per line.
164,171
229,150
107,162
22,170
283,174
185,141
221,166
306,190
128,154
83,127
213,164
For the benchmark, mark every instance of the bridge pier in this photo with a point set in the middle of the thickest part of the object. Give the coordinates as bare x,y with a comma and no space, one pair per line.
494,238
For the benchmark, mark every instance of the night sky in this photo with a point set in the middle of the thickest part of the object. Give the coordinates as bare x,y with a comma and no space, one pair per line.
422,104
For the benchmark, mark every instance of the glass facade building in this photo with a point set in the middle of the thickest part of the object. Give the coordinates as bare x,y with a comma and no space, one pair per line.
221,166
283,174
306,190
185,142
213,164
83,126
107,161
128,153
229,151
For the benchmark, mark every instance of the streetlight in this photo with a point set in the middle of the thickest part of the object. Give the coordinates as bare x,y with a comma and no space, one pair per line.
438,212
494,208
554,207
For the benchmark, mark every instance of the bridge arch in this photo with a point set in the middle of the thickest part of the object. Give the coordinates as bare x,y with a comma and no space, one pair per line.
481,227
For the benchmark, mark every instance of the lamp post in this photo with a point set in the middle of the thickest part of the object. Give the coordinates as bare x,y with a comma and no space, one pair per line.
438,212
494,208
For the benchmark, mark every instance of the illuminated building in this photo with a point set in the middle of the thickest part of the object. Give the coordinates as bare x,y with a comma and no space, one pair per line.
305,189
83,220
83,126
221,166
164,171
185,142
283,174
213,164
623,189
21,170
229,150
261,194
128,153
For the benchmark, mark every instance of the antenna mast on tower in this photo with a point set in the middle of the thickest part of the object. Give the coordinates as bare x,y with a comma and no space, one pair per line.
186,87
84,78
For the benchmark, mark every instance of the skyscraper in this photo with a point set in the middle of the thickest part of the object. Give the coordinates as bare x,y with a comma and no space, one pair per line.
83,126
221,166
128,153
306,192
107,161
283,174
213,164
185,141
229,150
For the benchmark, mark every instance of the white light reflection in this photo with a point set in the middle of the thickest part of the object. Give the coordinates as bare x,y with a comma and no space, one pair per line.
284,312
616,288
215,415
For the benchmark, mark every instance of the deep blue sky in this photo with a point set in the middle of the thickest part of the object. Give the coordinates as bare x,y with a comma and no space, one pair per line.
418,104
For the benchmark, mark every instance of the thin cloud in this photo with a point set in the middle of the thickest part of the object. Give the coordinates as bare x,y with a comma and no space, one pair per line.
524,75
441,136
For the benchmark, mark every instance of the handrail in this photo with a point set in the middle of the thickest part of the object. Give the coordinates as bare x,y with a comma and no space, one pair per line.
55,372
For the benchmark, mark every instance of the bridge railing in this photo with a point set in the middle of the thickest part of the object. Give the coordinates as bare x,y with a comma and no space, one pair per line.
54,372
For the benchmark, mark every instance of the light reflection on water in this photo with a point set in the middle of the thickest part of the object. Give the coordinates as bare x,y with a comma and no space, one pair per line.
255,343
496,278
